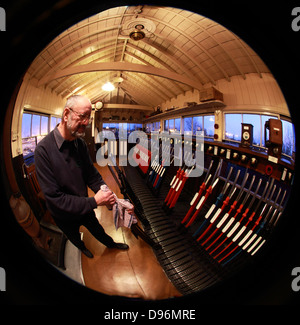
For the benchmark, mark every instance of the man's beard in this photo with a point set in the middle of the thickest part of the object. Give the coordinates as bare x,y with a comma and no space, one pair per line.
76,133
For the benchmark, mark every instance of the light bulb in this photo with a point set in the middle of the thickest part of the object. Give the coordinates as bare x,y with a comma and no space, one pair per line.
108,86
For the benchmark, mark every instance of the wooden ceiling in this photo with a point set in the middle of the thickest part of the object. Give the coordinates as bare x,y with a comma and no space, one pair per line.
181,51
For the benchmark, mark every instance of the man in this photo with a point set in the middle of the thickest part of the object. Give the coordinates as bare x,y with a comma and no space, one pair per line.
65,169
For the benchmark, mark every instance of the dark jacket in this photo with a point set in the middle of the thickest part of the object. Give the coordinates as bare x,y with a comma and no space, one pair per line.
64,170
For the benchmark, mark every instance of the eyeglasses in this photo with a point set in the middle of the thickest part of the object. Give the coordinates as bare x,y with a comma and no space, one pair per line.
82,117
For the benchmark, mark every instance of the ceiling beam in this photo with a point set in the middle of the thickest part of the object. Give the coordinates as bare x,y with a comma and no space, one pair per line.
180,89
119,66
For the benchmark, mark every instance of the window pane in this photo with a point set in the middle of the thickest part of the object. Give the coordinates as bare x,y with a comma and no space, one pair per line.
54,122
36,125
26,125
171,125
209,125
157,126
166,125
133,127
177,125
197,124
28,145
113,127
254,119
44,125
288,138
123,130
188,125
233,126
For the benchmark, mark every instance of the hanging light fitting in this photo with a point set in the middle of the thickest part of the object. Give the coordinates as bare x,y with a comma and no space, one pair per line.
137,34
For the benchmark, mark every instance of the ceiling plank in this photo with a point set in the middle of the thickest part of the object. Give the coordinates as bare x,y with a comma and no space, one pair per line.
196,44
212,36
128,106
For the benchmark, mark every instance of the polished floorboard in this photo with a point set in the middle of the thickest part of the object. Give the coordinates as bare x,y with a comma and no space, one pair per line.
134,273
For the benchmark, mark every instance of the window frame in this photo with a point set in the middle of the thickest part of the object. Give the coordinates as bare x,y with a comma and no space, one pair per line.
261,146
203,123
117,127
167,122
294,135
37,137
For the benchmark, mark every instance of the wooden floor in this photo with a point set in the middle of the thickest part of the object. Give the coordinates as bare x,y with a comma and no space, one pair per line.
133,273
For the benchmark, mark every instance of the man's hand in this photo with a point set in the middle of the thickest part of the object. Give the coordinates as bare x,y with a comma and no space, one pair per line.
105,198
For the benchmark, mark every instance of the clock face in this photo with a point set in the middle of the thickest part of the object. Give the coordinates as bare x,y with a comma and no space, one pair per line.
99,105
246,135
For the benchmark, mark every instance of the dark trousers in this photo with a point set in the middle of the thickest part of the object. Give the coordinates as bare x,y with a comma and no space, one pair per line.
71,230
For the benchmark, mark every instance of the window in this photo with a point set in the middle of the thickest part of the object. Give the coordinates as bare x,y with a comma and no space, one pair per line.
166,125
197,124
156,126
200,123
177,125
133,126
121,128
26,125
233,127
44,125
288,138
36,125
254,119
34,128
149,127
209,125
113,127
172,125
264,119
54,121
188,125
233,130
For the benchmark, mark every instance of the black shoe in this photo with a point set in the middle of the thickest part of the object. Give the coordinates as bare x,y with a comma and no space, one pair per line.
87,253
119,246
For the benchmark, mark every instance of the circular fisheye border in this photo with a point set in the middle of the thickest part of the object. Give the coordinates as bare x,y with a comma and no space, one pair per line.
270,61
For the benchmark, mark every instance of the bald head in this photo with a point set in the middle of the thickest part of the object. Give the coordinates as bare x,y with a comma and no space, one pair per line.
78,100
76,116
